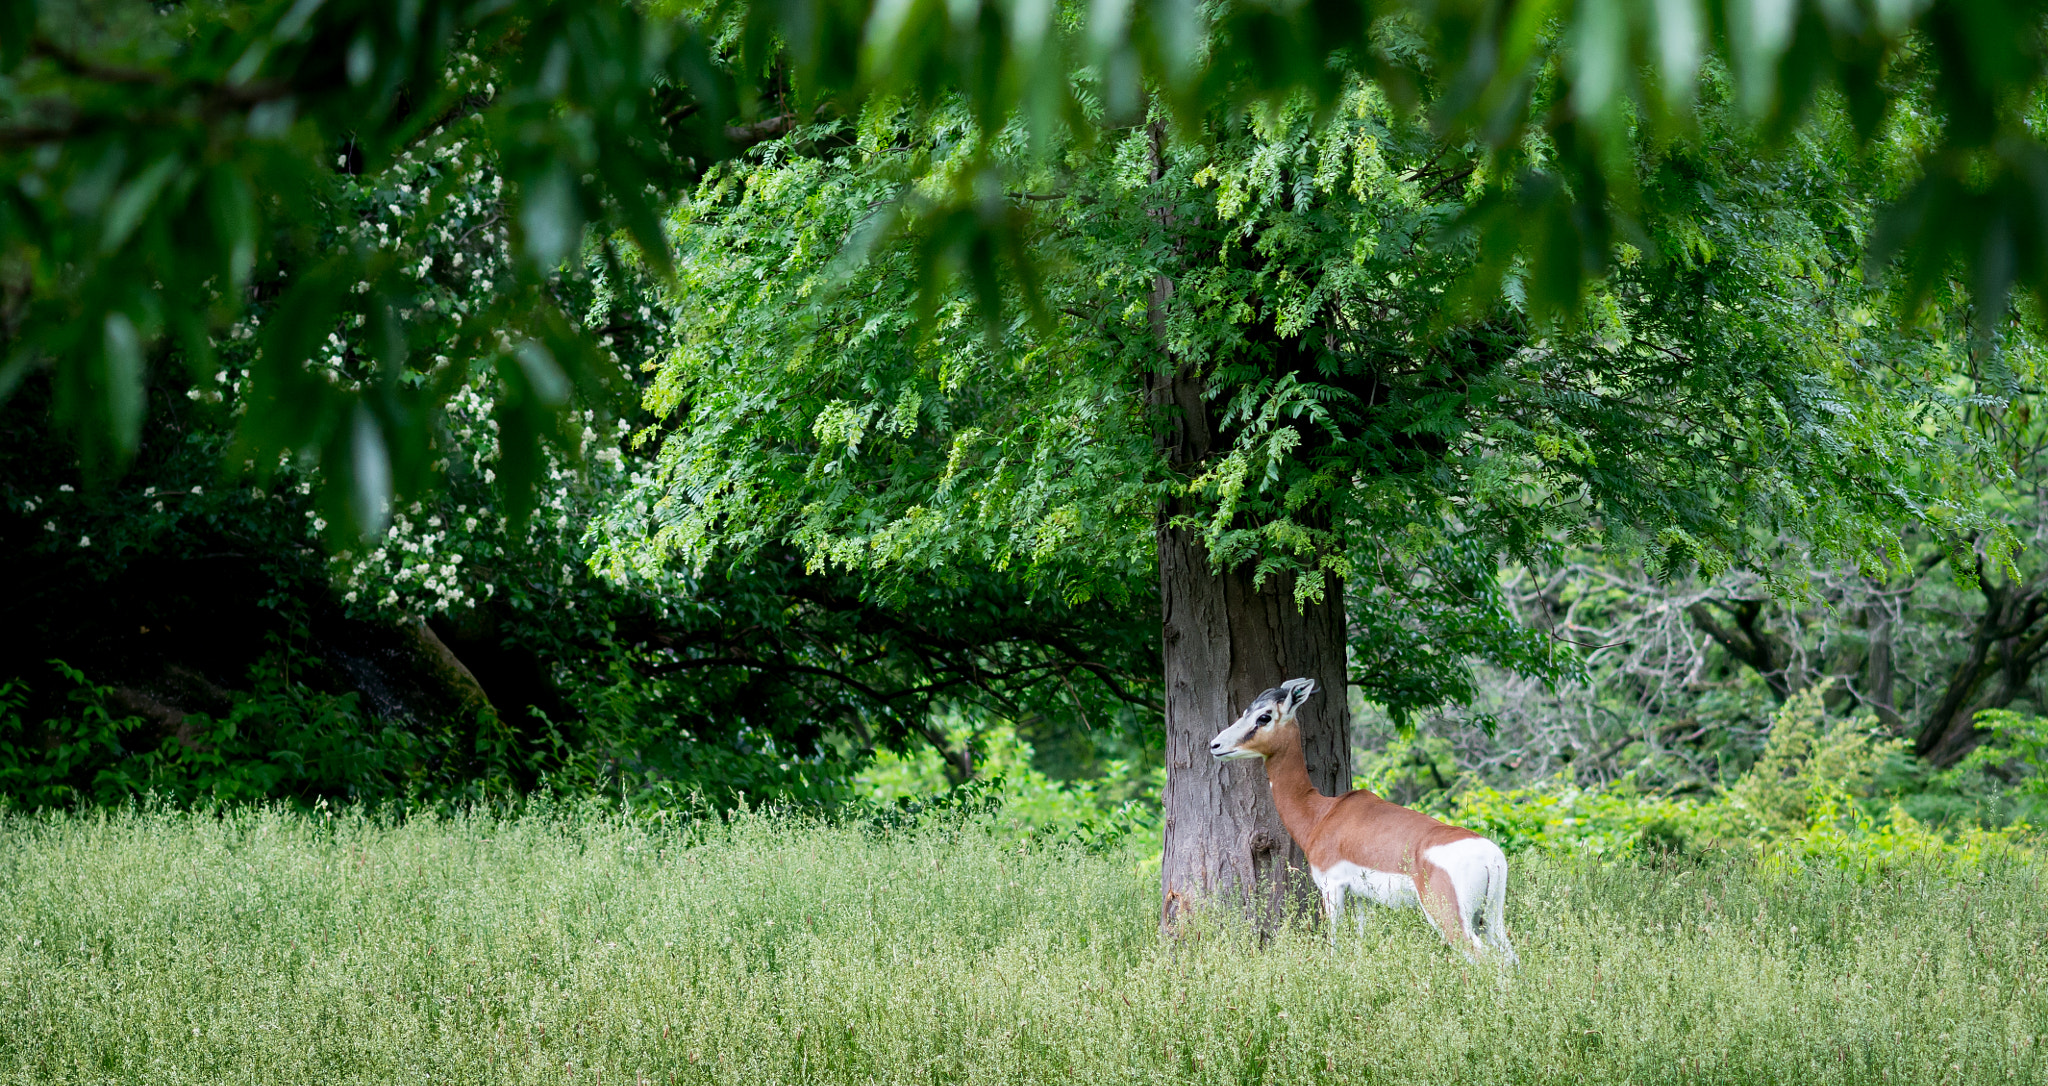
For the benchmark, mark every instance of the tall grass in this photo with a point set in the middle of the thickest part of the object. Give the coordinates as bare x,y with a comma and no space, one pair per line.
568,946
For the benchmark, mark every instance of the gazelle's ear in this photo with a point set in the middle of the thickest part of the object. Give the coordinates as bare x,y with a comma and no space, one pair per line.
1298,691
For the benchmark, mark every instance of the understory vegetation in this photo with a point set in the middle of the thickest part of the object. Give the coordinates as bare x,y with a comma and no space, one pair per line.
571,943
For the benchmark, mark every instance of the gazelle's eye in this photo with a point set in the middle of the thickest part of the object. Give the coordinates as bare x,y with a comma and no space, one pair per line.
1265,718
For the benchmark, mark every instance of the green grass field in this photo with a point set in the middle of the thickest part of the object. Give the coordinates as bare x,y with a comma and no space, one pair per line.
273,948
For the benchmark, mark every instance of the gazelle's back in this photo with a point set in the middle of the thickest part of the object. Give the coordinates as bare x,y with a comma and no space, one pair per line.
1370,831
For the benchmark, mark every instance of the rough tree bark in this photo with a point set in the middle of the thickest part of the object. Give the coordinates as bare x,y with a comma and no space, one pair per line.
1224,640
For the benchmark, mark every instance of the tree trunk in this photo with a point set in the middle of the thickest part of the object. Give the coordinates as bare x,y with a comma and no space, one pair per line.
1749,641
1879,674
2008,645
1225,641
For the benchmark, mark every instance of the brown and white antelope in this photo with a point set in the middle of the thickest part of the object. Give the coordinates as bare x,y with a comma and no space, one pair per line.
1358,843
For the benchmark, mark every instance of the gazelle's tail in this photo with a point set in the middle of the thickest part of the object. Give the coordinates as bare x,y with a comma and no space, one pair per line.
1489,920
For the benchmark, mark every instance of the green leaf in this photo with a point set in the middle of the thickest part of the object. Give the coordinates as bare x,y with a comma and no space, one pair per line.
232,207
17,28
122,375
550,216
544,378
369,473
133,202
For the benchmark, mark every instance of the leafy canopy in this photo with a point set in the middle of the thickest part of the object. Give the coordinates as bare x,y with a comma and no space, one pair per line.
1734,382
153,159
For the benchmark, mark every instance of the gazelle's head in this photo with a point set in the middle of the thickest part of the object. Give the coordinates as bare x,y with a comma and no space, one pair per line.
1270,713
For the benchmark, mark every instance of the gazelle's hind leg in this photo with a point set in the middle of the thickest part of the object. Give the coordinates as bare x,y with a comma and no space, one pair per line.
1478,871
1440,902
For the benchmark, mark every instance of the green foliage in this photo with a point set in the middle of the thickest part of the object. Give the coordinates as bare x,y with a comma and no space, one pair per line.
835,406
337,946
1420,623
161,161
38,767
273,742
1811,800
743,686
1114,809
1804,769
2012,764
158,161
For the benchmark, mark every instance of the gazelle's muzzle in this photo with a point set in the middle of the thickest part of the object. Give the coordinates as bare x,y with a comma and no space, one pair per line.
1227,744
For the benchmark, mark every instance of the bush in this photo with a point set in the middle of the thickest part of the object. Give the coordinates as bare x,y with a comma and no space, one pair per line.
1811,798
1117,809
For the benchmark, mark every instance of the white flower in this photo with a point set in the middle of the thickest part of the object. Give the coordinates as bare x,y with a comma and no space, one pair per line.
65,489
149,492
49,526
198,490
85,541
319,525
158,506
191,393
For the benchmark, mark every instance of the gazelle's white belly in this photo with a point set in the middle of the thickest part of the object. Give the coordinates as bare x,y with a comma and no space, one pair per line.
1386,887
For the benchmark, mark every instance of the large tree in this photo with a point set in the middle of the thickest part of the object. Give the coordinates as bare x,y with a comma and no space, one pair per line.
1247,368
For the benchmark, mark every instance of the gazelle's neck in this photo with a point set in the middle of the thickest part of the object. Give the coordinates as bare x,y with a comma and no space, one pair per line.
1293,792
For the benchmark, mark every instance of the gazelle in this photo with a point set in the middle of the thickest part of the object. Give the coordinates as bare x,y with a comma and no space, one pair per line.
1358,843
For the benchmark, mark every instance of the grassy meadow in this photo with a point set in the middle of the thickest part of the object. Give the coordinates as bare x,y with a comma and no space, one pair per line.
572,946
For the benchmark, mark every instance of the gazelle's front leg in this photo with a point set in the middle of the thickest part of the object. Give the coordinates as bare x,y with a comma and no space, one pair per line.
1333,903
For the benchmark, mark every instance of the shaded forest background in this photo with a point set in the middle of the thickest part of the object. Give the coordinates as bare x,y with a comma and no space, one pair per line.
192,627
